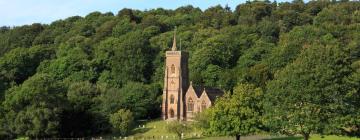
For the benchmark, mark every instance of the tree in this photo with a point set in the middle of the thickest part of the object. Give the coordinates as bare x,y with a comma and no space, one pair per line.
217,17
352,119
140,99
122,27
81,119
104,30
127,14
337,14
21,63
202,121
122,121
238,114
213,54
212,75
178,128
127,58
250,67
4,134
291,44
19,37
252,12
309,95
104,63
34,108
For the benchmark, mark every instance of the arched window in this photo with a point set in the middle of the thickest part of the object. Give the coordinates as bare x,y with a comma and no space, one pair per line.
172,99
172,114
190,105
203,105
172,69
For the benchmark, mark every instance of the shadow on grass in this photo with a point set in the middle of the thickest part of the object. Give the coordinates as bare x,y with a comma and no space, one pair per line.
194,138
286,138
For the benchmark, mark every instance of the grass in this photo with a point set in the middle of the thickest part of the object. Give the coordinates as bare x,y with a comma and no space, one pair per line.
317,137
313,137
156,130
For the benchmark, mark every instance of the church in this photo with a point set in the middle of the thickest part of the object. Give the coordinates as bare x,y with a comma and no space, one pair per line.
181,100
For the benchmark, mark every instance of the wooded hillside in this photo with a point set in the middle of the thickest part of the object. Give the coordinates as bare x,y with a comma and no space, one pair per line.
67,78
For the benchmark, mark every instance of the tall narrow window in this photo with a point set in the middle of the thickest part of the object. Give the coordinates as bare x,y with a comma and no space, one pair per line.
172,99
203,105
172,69
172,114
190,105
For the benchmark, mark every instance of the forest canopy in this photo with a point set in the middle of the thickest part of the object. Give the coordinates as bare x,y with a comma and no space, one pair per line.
78,72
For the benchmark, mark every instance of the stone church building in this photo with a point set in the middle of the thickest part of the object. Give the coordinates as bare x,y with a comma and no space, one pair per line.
181,100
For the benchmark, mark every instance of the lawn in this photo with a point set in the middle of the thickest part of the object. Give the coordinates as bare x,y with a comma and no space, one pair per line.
313,137
156,130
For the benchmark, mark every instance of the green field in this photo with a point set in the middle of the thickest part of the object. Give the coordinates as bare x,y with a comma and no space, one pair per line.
156,130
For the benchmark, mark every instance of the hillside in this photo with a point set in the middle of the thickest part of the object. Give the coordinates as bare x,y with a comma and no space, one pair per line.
67,78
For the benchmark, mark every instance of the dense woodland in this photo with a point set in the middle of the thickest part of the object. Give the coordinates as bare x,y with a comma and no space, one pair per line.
289,68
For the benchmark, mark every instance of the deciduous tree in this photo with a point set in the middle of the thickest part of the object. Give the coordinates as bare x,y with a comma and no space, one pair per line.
309,95
122,121
238,114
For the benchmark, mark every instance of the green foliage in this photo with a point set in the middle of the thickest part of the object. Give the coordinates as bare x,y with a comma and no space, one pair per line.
309,95
21,63
178,128
208,61
239,113
19,37
82,94
217,17
128,59
338,14
202,121
122,28
82,118
249,65
140,99
252,12
65,79
122,121
291,45
34,108
352,120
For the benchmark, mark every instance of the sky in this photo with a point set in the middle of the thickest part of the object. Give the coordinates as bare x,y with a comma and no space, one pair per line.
21,12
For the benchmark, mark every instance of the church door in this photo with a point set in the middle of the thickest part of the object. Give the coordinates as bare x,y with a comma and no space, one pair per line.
172,113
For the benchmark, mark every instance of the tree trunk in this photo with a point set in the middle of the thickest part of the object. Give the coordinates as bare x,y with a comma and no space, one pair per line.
237,137
306,136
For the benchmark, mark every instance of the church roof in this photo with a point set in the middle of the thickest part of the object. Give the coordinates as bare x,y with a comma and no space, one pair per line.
212,92
198,90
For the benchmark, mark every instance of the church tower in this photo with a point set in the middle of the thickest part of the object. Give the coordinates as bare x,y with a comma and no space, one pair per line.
175,84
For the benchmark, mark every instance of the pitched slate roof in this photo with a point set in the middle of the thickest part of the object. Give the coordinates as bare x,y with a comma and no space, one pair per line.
198,90
212,92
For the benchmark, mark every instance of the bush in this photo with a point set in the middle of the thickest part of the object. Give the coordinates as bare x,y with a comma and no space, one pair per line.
122,121
178,127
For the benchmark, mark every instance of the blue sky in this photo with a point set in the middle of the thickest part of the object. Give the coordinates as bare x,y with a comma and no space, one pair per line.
20,12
